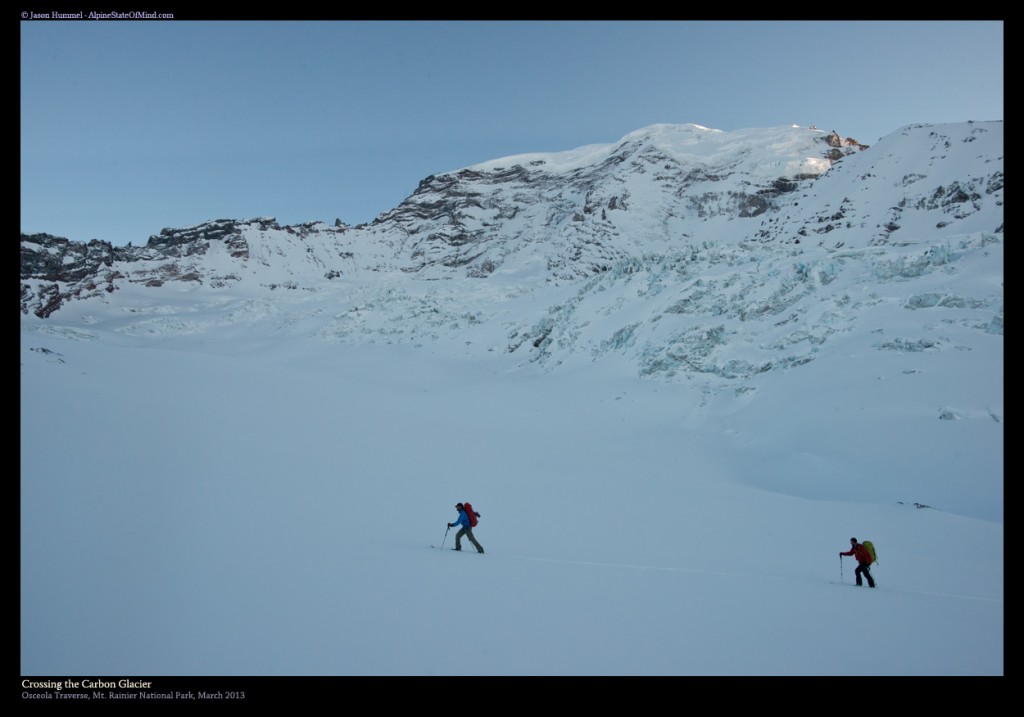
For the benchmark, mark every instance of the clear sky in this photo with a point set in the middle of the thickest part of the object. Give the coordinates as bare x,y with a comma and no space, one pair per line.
129,127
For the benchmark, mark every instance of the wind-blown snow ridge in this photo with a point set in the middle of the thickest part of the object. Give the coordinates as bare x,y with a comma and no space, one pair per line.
763,153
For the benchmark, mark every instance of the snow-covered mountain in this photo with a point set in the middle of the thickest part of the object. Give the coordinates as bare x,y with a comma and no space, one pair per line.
675,374
713,255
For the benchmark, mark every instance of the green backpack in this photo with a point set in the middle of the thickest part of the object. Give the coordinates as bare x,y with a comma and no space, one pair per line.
871,549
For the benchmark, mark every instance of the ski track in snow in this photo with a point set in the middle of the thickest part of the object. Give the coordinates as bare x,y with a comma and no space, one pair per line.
756,576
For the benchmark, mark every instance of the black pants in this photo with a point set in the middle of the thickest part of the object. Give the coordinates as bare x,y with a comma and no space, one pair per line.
862,568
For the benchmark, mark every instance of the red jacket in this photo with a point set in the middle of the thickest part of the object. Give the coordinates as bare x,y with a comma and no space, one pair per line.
863,556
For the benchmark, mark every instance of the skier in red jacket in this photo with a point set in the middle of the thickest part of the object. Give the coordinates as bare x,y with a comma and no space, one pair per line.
863,561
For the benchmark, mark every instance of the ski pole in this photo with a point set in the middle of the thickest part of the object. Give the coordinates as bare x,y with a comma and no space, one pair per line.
840,568
446,537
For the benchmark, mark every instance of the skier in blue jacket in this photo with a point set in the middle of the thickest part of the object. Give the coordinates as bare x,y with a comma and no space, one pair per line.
463,520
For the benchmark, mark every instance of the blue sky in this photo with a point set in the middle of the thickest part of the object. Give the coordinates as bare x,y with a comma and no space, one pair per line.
129,127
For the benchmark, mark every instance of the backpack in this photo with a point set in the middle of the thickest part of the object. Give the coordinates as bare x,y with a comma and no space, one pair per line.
871,549
473,515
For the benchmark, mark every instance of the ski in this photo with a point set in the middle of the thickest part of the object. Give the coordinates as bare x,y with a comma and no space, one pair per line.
855,585
456,551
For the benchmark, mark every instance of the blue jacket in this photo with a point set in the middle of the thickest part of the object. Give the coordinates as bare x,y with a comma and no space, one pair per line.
462,520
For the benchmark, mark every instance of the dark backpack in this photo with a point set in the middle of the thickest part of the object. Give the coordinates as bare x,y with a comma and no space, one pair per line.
473,515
